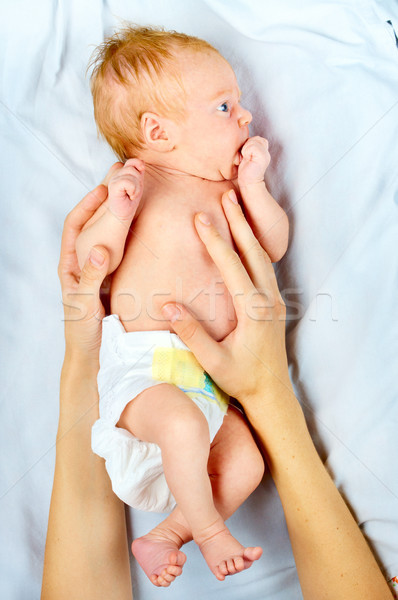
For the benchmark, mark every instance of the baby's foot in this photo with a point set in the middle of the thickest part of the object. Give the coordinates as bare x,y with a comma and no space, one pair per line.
223,553
159,557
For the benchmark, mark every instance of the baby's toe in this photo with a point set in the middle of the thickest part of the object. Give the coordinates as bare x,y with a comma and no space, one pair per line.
154,579
162,581
239,563
177,558
231,566
218,573
253,553
174,570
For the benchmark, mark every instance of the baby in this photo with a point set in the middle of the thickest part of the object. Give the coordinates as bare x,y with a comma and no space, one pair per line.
169,106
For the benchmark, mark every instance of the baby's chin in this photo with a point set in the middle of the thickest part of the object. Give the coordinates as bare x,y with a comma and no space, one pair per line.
232,173
226,172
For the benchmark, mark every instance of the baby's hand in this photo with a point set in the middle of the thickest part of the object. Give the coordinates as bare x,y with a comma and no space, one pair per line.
255,160
125,189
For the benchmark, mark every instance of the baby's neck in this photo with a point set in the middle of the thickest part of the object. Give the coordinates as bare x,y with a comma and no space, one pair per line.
167,174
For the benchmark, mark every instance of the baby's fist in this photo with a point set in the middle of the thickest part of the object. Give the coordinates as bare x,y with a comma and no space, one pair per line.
255,160
125,189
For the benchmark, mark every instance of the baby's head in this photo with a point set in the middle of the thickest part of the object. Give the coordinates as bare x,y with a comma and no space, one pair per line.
136,71
152,85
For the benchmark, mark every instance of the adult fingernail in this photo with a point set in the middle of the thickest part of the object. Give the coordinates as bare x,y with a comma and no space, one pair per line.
96,258
232,197
171,312
203,218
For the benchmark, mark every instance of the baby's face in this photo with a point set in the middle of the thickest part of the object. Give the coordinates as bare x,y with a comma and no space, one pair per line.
215,125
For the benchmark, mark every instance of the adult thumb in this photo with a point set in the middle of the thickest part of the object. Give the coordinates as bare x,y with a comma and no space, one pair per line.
191,332
94,270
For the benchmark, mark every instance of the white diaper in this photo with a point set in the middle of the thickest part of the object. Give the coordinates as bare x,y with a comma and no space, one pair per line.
131,362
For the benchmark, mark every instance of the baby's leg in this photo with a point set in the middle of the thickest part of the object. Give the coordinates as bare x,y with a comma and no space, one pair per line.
236,468
165,415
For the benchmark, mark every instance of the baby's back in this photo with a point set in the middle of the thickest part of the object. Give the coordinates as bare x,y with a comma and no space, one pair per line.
166,261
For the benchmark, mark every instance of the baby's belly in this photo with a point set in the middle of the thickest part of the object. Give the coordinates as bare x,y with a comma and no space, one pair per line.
154,274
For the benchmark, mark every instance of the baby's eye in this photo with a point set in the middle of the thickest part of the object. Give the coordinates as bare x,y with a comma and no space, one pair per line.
223,107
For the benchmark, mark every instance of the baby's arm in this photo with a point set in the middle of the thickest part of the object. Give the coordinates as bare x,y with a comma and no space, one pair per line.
268,220
110,225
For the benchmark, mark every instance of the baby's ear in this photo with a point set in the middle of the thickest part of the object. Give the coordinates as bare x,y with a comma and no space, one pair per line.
158,132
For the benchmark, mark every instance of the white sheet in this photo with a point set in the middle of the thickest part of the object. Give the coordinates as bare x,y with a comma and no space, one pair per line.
321,78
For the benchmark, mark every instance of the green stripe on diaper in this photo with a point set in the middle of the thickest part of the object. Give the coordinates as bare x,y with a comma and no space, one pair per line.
180,367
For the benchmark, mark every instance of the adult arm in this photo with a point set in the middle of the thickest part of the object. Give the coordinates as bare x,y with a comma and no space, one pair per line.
332,557
86,555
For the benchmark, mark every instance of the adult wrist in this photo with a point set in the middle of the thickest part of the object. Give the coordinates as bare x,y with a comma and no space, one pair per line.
78,395
78,361
274,391
275,415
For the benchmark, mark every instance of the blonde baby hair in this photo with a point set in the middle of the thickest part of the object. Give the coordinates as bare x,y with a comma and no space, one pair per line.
134,71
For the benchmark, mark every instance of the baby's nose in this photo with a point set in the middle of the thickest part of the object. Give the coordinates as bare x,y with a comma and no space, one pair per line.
245,118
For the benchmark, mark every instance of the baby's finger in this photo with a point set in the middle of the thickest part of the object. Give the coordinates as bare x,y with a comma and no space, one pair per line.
226,259
254,257
260,140
191,332
112,170
136,163
248,151
132,188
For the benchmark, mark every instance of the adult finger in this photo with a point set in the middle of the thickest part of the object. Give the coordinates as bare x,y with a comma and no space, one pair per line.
94,272
68,267
82,301
252,254
226,259
78,217
86,208
204,347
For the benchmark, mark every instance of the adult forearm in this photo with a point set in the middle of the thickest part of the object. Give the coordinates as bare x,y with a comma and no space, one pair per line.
332,557
333,560
86,551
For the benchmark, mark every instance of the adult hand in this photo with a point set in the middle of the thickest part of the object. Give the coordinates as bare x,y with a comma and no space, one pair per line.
86,552
252,358
251,365
83,309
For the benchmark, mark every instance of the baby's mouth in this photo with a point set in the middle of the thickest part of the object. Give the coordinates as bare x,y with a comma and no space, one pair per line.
238,157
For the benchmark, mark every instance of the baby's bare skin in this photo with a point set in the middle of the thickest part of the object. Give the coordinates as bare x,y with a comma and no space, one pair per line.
164,259
147,224
232,451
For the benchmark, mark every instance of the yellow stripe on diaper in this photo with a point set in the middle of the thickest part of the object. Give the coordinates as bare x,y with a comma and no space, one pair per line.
180,367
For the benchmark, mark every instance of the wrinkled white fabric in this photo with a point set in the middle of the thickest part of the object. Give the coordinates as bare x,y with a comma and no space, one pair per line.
321,79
